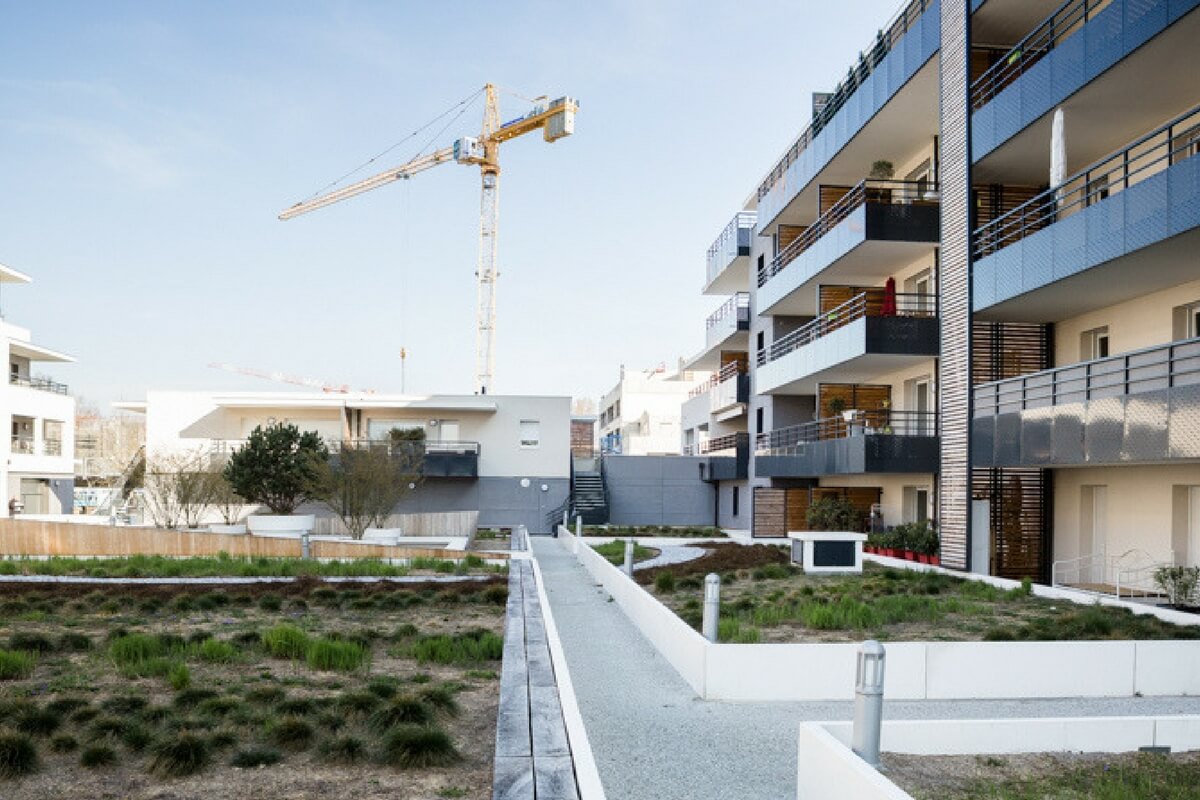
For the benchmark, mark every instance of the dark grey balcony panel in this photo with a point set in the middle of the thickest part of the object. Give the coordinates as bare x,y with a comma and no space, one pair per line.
1105,420
1007,449
723,468
854,455
915,222
906,336
983,438
1037,436
450,465
1066,438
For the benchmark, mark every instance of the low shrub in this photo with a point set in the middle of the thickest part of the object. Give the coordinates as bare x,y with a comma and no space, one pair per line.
217,706
179,676
265,695
291,732
39,722
404,709
270,602
189,698
15,664
441,699
664,582
225,737
297,706
256,757
463,648
417,746
285,641
97,755
32,642
343,750
136,737
66,705
181,755
74,643
124,704
384,687
358,702
336,656
215,651
18,755
63,743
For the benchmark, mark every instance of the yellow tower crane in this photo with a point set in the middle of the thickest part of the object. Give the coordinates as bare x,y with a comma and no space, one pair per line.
555,119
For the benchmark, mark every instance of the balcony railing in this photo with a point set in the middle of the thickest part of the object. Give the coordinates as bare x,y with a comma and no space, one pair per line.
880,422
868,302
1154,368
718,444
867,191
1168,144
733,311
25,444
223,447
727,372
1066,20
730,243
868,61
44,384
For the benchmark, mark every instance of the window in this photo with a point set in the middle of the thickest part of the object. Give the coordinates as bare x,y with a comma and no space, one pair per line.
736,501
1093,344
758,420
530,433
1187,321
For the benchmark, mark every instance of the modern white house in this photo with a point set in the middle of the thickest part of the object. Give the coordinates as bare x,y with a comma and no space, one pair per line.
640,415
507,457
38,457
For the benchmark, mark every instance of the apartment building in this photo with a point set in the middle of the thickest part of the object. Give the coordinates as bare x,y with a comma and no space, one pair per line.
640,415
508,457
39,465
973,294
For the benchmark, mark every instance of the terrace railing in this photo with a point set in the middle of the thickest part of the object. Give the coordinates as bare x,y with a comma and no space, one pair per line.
1153,368
866,191
876,422
718,444
1065,21
868,61
863,304
728,245
728,372
734,310
37,382
1166,145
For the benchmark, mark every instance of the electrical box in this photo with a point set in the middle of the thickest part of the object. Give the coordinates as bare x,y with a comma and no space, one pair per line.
561,124
468,150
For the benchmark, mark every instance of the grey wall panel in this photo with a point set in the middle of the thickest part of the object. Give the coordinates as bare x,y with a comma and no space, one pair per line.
658,490
504,502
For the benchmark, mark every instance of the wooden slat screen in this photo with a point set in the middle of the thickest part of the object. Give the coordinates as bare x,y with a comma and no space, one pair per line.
863,397
798,501
1019,524
787,235
833,296
1001,350
993,200
769,512
828,195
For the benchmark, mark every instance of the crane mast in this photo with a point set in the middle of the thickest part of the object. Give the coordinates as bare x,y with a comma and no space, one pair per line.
555,119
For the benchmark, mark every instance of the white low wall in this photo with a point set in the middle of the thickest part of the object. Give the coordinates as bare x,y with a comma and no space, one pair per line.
826,768
915,670
681,646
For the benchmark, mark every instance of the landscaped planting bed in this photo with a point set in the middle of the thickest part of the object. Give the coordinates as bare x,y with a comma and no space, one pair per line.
765,599
615,552
228,566
1061,776
302,689
663,531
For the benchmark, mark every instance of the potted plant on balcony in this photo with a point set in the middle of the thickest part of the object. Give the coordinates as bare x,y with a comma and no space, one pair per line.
836,406
278,467
881,170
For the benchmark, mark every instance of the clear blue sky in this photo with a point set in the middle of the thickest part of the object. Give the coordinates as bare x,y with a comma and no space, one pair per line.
146,148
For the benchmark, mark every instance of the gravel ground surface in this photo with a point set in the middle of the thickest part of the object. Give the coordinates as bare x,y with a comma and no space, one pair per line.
671,555
652,737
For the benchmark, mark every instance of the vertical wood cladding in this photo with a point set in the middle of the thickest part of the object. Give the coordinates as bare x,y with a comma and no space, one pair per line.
1019,527
1002,350
954,384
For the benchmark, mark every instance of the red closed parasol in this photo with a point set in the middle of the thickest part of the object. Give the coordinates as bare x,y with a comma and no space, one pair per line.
889,299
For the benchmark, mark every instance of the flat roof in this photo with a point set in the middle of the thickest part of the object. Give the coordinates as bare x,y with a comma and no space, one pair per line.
36,352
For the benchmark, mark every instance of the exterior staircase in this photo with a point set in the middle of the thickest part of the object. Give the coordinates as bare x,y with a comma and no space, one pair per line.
591,502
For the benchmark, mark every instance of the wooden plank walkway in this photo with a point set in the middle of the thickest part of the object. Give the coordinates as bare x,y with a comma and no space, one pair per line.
533,755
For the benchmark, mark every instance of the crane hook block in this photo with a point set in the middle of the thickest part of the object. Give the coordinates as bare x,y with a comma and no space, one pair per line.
468,150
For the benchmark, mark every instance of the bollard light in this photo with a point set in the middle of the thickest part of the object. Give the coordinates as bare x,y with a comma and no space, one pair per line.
305,546
629,557
579,525
868,702
712,606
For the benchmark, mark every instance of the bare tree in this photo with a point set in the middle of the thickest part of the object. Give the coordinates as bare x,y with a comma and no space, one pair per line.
229,504
179,489
363,483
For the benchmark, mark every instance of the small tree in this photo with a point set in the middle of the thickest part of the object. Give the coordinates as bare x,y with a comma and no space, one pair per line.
177,489
834,514
229,504
1179,583
362,484
279,467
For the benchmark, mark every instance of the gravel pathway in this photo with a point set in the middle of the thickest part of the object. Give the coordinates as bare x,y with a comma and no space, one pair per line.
652,737
676,554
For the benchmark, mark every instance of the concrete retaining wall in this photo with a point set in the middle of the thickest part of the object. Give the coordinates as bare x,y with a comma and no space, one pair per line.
915,670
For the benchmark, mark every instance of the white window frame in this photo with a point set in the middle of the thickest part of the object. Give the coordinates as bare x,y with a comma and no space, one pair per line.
530,443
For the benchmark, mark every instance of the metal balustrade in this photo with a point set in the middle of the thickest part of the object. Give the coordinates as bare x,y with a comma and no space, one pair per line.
224,447
857,307
1065,21
1166,145
1153,368
728,371
877,422
734,310
729,243
43,384
884,192
718,444
25,444
868,60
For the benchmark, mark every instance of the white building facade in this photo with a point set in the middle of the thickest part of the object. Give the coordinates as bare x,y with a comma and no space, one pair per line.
640,416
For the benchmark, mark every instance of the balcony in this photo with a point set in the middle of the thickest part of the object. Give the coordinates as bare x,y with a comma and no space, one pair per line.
872,442
1134,212
1136,408
728,457
874,228
852,343
1093,55
26,445
444,459
726,390
728,261
726,329
39,383
884,71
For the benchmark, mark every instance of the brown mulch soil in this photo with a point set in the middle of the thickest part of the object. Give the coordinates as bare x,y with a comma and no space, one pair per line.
96,612
720,558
